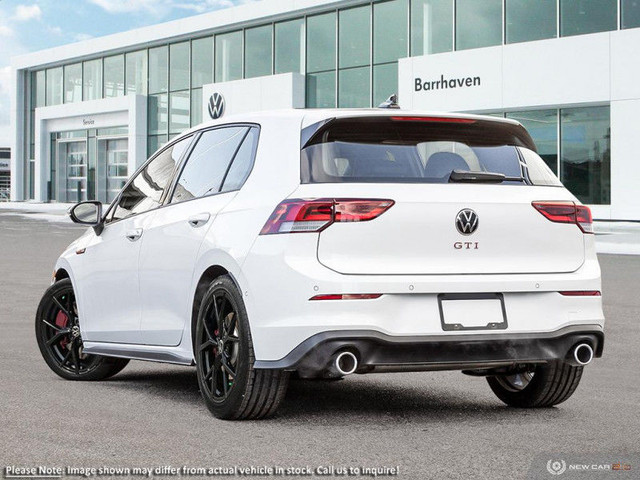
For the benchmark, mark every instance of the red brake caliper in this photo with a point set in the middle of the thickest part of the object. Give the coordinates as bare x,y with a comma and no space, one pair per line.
61,321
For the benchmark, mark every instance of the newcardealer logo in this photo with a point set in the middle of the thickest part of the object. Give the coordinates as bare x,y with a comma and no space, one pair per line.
558,467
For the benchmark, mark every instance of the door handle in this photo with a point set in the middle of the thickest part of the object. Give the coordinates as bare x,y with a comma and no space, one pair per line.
199,220
133,235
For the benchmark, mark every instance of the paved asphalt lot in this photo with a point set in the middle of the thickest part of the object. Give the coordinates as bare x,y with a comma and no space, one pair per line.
431,425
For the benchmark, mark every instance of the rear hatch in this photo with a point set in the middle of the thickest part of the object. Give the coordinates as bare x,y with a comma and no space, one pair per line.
418,234
481,221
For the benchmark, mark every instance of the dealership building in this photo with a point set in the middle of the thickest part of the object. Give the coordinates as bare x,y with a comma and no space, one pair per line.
5,174
86,115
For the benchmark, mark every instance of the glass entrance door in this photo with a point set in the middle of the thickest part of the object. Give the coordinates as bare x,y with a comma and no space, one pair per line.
113,167
71,182
88,164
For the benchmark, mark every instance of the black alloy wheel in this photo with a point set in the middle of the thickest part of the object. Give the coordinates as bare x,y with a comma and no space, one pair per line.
219,345
231,388
60,342
544,386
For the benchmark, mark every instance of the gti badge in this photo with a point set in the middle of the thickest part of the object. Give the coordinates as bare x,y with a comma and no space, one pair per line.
216,106
467,221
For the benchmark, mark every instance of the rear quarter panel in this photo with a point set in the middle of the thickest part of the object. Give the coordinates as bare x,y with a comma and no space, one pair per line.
275,174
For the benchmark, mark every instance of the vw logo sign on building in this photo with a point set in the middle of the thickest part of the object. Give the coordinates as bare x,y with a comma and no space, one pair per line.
216,106
467,221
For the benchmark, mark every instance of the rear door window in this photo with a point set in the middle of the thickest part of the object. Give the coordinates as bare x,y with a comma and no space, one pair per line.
242,163
209,162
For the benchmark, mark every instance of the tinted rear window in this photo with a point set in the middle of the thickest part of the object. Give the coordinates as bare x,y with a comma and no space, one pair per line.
384,150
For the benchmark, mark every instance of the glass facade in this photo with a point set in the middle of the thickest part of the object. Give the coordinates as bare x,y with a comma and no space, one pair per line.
355,37
578,17
179,66
114,76
321,42
258,51
354,87
349,55
321,57
92,80
201,62
354,57
196,106
478,23
158,114
179,107
431,26
73,83
54,89
228,57
136,68
114,153
585,153
576,144
38,89
390,31
158,70
385,82
321,90
289,56
526,21
630,13
389,16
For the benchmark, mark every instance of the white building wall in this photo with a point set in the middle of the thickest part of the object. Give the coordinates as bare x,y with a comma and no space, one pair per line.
625,159
17,145
595,69
286,90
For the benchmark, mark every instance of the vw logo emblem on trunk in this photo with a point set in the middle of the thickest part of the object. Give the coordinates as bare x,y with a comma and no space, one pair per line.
216,106
467,221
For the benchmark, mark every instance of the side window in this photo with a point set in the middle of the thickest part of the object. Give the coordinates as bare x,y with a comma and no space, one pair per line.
242,163
149,185
208,163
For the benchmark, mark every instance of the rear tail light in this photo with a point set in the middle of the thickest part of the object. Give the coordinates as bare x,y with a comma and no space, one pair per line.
567,212
298,216
581,293
584,218
350,296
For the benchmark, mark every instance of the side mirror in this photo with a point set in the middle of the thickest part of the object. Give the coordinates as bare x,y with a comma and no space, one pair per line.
88,213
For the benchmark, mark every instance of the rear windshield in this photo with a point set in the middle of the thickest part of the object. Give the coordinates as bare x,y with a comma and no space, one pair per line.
384,150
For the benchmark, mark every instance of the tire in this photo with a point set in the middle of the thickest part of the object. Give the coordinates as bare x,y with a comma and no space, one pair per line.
231,388
546,386
59,340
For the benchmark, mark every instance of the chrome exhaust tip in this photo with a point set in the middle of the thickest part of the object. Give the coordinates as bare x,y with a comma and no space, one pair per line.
583,354
346,363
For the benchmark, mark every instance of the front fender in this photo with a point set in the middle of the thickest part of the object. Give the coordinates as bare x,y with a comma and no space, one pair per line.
70,261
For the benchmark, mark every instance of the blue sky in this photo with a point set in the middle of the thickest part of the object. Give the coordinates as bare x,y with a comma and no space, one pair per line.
27,26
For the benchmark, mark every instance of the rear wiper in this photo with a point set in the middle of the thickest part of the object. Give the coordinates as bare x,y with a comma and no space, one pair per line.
463,176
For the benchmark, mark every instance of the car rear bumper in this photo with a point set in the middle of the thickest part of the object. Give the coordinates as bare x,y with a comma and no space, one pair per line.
379,352
282,315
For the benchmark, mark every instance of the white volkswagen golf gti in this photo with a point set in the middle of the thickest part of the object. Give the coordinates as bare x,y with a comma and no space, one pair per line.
321,243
